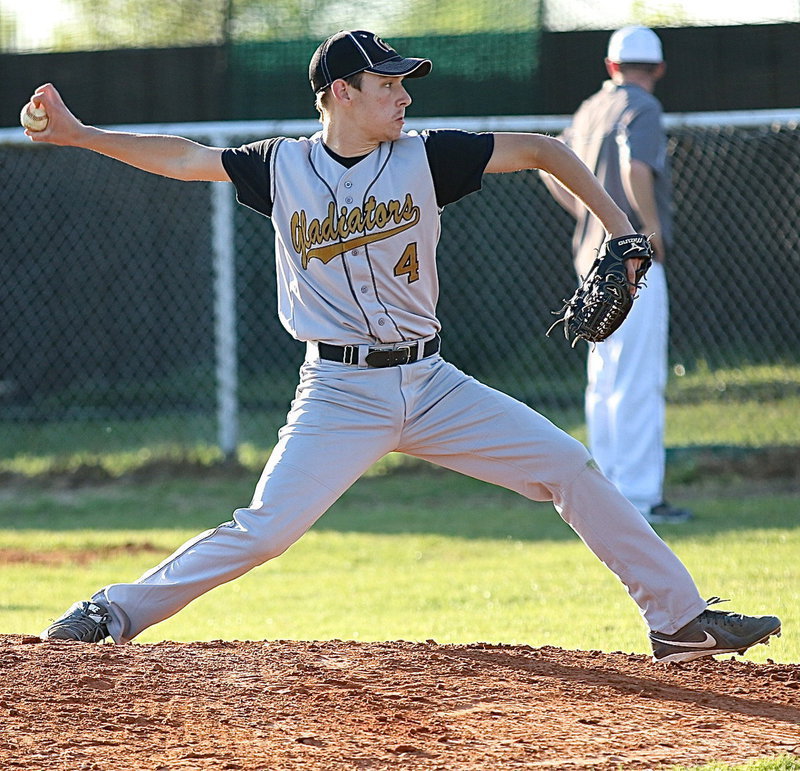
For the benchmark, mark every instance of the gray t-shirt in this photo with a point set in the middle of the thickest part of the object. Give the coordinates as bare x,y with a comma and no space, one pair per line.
616,123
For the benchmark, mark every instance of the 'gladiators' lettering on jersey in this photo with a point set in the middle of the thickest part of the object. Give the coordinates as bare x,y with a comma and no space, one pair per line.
313,239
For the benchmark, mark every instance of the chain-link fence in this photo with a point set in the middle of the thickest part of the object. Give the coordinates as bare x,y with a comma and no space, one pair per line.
139,310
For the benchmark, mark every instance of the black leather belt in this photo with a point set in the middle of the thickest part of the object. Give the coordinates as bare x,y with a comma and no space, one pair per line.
380,355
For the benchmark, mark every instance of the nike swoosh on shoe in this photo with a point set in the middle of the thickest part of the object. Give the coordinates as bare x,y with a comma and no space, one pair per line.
709,642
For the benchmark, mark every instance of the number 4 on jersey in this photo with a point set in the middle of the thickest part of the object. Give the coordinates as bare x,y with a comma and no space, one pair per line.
408,264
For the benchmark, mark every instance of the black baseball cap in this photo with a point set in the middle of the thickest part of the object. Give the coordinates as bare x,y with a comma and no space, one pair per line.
351,51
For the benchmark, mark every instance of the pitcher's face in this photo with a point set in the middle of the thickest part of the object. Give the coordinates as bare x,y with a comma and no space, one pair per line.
379,106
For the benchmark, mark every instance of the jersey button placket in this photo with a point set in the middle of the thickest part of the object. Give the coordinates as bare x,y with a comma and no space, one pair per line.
360,269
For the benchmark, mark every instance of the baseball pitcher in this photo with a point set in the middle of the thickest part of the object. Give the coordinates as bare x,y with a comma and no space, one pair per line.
356,212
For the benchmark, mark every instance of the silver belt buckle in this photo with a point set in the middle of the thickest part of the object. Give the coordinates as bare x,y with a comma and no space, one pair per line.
407,349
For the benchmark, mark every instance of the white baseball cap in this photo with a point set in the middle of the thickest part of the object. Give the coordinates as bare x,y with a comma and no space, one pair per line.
635,44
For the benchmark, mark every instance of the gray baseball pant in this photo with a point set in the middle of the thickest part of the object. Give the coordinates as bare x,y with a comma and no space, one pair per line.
344,418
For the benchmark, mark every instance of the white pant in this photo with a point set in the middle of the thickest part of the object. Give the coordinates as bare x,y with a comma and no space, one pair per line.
625,406
344,418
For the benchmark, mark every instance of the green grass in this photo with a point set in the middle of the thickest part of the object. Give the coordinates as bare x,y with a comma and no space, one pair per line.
401,556
749,381
783,763
752,405
750,423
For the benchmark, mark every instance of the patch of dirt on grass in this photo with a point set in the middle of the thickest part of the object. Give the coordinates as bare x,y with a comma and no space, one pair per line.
74,556
344,705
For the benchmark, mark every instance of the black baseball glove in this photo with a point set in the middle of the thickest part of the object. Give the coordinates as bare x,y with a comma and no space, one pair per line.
603,300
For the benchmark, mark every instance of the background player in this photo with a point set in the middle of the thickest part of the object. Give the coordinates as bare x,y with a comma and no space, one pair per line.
618,133
356,211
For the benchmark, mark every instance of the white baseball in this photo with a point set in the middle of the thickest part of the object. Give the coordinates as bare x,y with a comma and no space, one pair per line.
33,118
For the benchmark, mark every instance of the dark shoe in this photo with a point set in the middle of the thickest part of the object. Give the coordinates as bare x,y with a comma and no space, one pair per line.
714,632
83,622
664,513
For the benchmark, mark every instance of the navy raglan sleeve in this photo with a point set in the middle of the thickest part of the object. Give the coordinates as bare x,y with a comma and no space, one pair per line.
248,167
457,160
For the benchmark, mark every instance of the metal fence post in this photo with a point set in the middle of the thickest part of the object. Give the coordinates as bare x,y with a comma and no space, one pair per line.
224,257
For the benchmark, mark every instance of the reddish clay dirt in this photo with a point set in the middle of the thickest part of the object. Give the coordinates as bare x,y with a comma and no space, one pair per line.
344,705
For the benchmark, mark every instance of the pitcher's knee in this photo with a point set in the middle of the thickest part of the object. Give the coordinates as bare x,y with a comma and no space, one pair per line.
558,470
572,456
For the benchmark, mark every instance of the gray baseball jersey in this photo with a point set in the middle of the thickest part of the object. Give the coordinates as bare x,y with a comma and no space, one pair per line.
356,260
619,122
357,264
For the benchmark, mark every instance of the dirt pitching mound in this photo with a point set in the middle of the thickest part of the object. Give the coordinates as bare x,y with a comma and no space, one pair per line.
347,705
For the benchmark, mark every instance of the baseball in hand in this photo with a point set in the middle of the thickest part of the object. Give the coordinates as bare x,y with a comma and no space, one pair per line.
33,118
